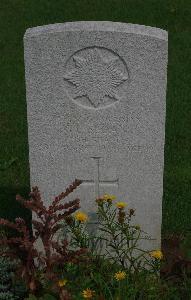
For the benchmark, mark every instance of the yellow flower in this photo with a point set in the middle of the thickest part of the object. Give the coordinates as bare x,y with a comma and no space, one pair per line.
88,293
108,197
62,282
81,216
121,205
120,275
156,254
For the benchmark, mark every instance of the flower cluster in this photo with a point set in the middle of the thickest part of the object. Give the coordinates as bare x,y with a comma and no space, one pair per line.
121,205
120,275
109,198
81,216
88,293
156,254
62,282
105,198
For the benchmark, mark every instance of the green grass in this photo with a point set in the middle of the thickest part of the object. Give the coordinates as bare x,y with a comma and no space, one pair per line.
17,15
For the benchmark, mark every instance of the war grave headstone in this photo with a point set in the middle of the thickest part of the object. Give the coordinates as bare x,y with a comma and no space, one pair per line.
96,94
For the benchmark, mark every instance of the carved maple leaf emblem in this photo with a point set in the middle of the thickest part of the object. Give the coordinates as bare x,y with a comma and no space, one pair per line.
95,77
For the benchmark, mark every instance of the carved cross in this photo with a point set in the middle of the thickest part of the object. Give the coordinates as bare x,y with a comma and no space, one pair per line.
96,180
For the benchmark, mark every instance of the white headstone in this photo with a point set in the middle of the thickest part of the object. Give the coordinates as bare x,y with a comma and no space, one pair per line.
96,111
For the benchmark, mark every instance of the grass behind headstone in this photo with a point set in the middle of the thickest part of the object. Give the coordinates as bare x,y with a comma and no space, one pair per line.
17,15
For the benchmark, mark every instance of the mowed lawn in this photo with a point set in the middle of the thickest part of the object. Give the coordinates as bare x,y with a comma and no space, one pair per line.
175,16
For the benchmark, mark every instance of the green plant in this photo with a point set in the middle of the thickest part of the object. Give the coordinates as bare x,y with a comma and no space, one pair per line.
117,238
116,259
107,264
6,269
10,288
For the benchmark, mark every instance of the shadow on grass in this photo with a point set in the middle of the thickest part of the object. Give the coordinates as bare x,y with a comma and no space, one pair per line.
9,207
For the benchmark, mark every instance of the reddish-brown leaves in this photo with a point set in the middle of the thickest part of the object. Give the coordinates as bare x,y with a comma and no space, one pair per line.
45,225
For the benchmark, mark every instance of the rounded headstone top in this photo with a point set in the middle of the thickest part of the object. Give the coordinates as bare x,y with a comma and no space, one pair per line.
98,26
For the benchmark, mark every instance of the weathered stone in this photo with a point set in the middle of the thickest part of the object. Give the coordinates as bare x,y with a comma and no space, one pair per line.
96,111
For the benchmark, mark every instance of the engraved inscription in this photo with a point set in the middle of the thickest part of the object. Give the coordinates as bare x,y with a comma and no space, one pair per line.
97,182
95,73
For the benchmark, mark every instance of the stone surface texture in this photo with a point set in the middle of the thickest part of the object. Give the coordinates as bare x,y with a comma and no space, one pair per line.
96,111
